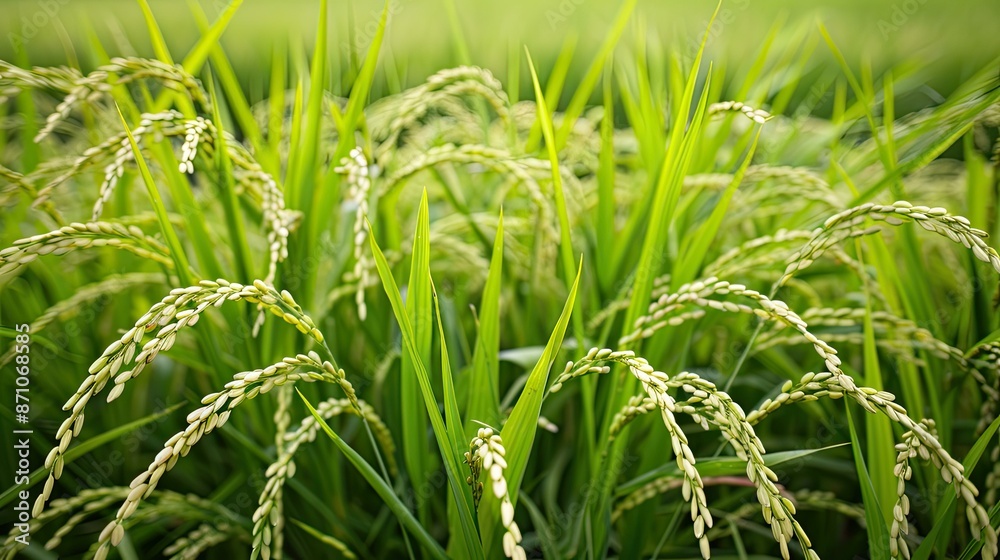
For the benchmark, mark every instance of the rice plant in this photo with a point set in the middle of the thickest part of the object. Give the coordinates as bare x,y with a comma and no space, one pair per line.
328,315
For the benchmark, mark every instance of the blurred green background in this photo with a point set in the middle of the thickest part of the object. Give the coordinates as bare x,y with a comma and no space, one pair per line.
945,40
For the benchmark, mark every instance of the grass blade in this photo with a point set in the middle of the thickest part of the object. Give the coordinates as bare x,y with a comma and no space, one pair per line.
586,86
209,40
380,486
324,198
173,242
484,381
230,203
878,534
230,84
418,309
518,433
878,428
691,260
453,465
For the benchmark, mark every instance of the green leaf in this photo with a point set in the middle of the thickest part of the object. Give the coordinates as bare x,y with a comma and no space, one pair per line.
518,433
380,486
230,203
452,463
565,243
553,89
878,534
665,194
878,428
306,173
418,309
155,35
606,188
668,187
691,260
194,222
585,88
230,84
721,466
173,242
322,537
354,113
484,382
207,42
453,421
457,33
163,54
209,39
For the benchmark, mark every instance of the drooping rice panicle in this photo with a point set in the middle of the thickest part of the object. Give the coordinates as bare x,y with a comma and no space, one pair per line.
120,71
181,308
850,222
14,79
918,440
198,135
84,504
758,116
834,383
83,236
693,489
708,406
803,500
637,406
522,170
445,85
201,421
895,333
91,503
